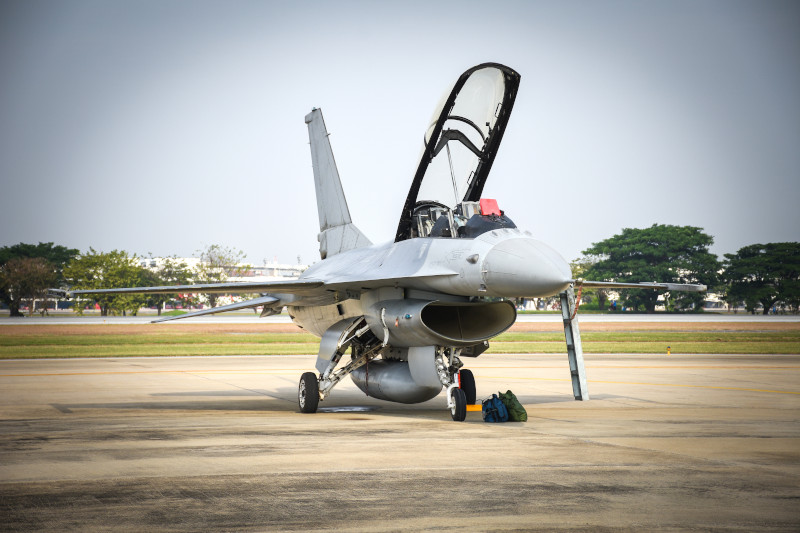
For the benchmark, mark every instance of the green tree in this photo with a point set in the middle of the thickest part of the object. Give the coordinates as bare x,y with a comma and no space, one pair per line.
112,270
27,278
765,274
217,264
170,271
661,253
57,256
580,267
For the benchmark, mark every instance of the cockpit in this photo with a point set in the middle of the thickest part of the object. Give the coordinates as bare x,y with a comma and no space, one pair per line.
459,148
466,220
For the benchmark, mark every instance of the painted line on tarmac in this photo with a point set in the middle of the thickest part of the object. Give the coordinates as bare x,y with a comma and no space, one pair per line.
667,367
741,389
269,372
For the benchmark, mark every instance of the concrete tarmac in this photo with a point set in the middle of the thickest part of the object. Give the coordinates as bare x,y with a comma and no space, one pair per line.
667,443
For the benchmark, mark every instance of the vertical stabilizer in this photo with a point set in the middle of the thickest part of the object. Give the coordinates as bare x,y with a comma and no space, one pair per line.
337,231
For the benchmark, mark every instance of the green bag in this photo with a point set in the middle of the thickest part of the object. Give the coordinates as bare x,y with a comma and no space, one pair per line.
516,413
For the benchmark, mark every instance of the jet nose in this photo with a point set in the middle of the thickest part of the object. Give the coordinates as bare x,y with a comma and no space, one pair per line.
525,267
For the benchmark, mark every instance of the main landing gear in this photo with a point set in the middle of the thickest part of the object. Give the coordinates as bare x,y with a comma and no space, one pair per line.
467,382
412,379
308,393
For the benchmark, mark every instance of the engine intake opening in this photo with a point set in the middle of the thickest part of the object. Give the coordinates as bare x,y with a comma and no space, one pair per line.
469,322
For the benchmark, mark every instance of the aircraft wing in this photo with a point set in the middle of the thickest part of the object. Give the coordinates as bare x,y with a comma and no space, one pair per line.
688,287
283,293
292,286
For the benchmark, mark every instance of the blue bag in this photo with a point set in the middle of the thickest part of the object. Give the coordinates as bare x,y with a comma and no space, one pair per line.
494,410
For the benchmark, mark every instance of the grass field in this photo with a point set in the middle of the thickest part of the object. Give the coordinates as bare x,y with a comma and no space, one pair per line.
45,341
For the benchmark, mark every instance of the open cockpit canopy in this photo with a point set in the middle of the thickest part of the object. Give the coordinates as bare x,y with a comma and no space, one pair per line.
460,145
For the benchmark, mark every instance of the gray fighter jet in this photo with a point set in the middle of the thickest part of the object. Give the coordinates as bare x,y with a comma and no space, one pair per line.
412,310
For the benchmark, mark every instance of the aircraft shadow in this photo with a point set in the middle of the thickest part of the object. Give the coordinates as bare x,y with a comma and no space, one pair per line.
283,400
237,400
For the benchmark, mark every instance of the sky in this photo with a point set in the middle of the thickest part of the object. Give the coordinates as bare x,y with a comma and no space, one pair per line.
164,127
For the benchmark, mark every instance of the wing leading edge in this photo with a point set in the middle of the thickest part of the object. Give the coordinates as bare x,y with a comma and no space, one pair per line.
284,292
688,287
293,286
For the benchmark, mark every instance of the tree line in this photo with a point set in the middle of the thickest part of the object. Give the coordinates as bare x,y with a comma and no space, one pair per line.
765,276
27,271
758,275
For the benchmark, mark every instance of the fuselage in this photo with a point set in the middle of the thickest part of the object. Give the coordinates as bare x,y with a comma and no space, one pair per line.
505,262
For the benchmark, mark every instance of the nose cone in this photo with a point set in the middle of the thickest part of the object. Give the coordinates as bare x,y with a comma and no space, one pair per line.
525,267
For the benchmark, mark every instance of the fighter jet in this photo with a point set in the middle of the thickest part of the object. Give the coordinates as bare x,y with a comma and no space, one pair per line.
412,310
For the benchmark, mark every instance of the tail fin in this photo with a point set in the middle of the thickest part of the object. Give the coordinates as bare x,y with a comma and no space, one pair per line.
337,231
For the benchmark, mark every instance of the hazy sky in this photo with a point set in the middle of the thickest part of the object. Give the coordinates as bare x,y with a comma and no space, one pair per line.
165,126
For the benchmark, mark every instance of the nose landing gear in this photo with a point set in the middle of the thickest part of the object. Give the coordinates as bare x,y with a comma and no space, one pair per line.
458,405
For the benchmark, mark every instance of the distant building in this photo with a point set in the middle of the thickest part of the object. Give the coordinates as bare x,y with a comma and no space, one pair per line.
267,272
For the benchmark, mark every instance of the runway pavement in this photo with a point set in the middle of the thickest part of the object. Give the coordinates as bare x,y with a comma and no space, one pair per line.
216,443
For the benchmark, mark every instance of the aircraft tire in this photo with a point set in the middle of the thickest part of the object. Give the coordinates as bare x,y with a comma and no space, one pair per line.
308,393
468,385
459,409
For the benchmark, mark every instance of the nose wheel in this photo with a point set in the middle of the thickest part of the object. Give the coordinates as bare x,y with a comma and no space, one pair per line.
458,406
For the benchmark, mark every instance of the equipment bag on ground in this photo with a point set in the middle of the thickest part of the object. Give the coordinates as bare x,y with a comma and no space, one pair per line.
494,410
516,412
